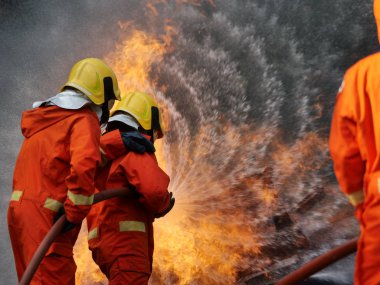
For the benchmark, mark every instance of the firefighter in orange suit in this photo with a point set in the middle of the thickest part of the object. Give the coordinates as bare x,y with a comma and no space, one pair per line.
121,229
355,148
55,169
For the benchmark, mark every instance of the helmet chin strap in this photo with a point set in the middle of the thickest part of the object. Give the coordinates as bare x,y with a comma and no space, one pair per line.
105,114
108,95
155,123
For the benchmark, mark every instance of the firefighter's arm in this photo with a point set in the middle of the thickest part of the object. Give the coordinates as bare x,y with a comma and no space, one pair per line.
349,166
111,145
114,144
149,180
84,159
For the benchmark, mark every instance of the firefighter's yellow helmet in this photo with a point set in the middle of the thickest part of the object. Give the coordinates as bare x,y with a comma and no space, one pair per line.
95,79
144,109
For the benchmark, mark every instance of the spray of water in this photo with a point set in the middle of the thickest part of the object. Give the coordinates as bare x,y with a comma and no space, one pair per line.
241,145
246,89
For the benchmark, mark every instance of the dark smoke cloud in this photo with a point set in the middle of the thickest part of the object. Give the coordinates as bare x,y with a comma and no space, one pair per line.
265,61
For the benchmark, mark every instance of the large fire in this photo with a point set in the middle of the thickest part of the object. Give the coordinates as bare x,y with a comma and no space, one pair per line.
215,230
131,62
191,246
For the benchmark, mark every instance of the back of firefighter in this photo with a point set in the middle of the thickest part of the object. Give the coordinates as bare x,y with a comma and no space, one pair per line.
55,169
355,148
121,229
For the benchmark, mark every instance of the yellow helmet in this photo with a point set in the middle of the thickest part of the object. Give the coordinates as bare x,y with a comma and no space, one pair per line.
95,79
144,109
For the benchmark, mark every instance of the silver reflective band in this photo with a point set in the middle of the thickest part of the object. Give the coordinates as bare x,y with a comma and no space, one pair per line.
126,119
131,226
97,109
52,204
80,200
68,99
16,195
93,233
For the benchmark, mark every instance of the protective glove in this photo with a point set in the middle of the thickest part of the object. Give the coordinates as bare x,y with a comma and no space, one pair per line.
168,209
68,226
136,142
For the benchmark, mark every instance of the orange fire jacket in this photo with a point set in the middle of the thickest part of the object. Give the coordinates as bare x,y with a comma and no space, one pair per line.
355,149
56,167
58,159
121,228
355,130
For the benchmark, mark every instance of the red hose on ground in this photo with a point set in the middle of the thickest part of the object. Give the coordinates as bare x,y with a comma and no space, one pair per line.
56,230
319,263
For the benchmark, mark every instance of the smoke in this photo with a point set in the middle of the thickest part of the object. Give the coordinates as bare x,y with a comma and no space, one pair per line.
250,85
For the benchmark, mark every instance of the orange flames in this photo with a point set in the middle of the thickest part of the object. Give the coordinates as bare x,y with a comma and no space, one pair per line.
188,247
206,239
131,62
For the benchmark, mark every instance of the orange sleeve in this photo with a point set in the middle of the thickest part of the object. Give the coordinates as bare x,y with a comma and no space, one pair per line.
84,159
349,166
112,145
151,182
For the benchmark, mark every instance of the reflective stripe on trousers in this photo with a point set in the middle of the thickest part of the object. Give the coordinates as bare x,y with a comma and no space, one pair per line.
124,226
356,198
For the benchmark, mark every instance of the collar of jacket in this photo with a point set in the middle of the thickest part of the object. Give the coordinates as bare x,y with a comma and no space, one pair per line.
126,119
71,100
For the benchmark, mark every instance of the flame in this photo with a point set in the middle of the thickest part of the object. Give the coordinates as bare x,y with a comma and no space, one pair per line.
133,58
210,235
131,61
87,271
197,249
206,238
298,157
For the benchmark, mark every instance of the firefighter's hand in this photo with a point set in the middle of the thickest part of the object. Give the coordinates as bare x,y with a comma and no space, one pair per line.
68,226
168,209
136,142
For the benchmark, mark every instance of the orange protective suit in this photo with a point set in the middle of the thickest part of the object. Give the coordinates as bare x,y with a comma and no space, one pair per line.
56,167
121,229
355,148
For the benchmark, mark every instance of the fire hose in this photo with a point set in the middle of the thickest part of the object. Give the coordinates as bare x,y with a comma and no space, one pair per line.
319,263
294,277
56,230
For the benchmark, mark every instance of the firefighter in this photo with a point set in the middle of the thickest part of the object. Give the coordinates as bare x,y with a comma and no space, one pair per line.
355,149
54,171
121,229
